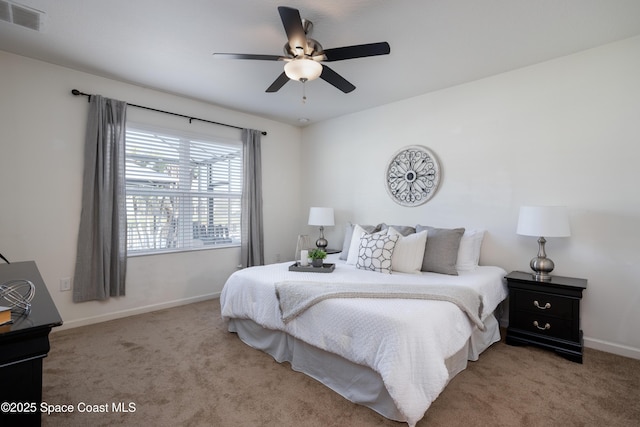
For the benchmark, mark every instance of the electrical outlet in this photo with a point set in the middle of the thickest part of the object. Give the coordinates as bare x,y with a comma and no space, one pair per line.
65,284
277,257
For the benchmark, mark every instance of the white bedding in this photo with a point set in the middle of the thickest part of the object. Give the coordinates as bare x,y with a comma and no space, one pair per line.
405,341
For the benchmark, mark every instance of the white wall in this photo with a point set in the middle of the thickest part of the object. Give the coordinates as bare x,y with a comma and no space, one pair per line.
41,150
562,132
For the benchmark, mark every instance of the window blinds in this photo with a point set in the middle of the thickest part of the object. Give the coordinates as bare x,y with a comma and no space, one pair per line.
182,192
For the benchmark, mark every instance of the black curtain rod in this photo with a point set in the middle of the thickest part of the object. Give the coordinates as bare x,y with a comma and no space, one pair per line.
76,92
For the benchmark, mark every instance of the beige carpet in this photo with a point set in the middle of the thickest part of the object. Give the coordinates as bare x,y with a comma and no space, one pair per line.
180,367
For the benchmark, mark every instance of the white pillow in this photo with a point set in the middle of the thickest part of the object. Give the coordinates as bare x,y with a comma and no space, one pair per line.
358,232
469,250
409,251
348,233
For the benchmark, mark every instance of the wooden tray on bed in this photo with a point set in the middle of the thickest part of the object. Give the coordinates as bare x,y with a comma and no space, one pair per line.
326,268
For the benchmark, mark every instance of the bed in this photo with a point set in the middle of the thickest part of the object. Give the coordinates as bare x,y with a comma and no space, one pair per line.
392,353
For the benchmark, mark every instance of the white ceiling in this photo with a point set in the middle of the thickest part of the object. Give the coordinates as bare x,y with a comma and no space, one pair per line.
434,44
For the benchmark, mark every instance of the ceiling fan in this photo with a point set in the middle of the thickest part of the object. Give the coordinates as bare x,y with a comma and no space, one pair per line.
303,55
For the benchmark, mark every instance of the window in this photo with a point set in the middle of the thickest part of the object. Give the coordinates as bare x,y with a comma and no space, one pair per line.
182,193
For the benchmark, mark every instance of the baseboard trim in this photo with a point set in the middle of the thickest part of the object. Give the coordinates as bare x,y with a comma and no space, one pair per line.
609,347
132,312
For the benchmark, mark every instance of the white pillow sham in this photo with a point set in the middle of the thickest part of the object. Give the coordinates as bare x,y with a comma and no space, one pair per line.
358,232
409,251
469,251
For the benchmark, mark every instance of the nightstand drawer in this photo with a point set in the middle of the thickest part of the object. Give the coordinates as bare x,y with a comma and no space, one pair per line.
544,304
545,325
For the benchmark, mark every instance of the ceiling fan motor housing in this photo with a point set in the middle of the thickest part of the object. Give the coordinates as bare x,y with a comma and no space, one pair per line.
312,49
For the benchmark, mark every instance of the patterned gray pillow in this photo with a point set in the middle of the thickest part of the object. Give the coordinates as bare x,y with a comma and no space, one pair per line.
375,251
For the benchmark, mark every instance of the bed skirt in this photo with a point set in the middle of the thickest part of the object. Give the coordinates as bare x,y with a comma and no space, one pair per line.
357,383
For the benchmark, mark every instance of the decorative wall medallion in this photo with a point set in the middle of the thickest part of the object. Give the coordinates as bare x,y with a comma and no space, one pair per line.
412,176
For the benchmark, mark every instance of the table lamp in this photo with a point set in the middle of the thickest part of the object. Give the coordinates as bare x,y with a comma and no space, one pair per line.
543,221
322,217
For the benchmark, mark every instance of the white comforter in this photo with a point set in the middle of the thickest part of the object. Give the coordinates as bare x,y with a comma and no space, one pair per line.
405,341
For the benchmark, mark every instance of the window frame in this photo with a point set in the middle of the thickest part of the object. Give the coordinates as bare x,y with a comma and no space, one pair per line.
200,138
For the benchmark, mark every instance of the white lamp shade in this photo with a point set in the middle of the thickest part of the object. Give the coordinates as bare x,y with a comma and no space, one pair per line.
543,221
321,216
298,69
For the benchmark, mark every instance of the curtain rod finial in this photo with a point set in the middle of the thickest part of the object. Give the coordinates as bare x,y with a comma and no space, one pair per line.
76,92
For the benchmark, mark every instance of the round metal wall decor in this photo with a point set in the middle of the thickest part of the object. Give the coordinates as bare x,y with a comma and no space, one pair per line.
412,176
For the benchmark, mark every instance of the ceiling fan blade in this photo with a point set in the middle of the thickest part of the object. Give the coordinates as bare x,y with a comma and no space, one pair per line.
357,51
278,83
248,56
331,77
293,27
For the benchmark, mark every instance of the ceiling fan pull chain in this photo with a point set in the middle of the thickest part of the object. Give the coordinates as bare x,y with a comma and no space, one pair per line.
304,91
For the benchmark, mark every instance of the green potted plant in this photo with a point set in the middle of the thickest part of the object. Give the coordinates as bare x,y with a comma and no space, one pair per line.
317,257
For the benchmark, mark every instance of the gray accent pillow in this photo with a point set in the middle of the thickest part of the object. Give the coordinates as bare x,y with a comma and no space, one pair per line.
405,230
441,252
348,233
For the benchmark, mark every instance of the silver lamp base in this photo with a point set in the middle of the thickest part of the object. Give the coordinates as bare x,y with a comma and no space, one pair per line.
322,243
541,265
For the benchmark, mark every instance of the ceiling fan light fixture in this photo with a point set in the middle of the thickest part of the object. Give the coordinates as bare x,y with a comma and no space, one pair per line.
303,69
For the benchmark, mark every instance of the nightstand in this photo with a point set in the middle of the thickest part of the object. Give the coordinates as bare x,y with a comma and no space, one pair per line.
546,314
332,251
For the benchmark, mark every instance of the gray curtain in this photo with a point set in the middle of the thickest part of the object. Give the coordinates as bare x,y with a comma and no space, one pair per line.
101,260
252,249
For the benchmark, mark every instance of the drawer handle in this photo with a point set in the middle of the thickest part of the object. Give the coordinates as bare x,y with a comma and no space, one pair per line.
537,325
546,306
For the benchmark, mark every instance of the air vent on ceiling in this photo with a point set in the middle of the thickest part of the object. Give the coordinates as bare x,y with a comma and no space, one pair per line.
21,15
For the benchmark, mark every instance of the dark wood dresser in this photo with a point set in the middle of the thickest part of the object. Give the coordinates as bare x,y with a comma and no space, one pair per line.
23,345
546,314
